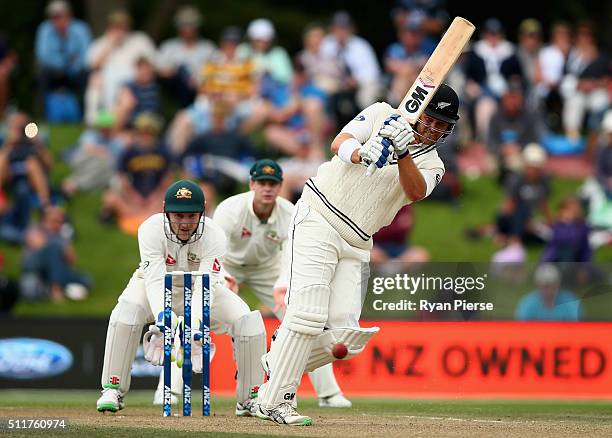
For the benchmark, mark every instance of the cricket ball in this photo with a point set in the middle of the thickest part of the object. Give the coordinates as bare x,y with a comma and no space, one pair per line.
339,350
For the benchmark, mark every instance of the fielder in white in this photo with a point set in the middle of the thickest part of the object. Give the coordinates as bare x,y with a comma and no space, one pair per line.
256,225
330,239
180,239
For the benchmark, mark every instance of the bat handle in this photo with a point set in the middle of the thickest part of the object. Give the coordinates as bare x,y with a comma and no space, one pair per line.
371,169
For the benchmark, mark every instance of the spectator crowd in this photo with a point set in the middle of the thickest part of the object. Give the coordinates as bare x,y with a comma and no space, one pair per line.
528,100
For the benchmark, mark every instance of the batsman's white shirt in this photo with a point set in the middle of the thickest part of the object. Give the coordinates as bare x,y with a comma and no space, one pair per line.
159,255
254,247
340,209
356,205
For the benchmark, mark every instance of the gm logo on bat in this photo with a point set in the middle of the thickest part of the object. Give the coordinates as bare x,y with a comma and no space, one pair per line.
419,95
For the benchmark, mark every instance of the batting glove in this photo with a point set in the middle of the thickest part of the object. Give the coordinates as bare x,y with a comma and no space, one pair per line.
153,340
398,130
376,153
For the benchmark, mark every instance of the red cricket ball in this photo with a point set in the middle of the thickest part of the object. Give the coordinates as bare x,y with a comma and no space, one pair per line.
339,350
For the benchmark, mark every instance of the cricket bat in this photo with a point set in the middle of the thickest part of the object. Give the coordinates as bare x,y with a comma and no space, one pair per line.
435,70
433,73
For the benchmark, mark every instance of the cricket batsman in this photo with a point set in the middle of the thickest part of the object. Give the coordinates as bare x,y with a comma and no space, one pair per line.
256,224
330,237
179,239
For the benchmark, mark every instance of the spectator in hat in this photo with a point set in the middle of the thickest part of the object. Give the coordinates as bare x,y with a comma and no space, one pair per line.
144,174
140,95
528,51
180,59
549,301
490,63
61,46
512,126
271,61
526,194
405,58
112,59
362,69
323,71
229,77
95,158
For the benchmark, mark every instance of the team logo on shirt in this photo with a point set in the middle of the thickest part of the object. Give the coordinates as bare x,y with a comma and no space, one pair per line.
359,118
170,260
183,193
216,267
246,233
273,236
193,257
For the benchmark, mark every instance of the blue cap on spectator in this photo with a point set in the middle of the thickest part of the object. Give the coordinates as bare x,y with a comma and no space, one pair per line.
414,21
342,19
493,25
231,34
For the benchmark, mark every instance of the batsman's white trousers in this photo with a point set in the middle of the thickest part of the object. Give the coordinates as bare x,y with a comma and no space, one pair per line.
319,255
261,279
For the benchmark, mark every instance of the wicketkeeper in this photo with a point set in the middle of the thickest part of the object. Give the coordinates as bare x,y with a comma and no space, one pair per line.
179,239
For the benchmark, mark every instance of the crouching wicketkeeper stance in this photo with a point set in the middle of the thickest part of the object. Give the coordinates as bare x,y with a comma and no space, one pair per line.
330,239
180,239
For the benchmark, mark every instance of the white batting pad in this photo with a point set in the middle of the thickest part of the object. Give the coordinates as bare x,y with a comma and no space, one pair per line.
249,343
122,340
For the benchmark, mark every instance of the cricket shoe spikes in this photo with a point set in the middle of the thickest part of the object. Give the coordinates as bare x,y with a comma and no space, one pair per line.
284,413
110,400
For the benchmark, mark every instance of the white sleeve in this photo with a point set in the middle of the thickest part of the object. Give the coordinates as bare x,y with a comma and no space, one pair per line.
224,217
432,178
362,125
152,265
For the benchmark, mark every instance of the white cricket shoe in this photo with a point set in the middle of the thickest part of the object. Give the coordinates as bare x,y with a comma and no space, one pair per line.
248,407
158,397
335,401
284,413
110,400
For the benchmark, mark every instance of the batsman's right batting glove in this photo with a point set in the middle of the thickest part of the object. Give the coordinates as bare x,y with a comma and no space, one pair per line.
376,153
